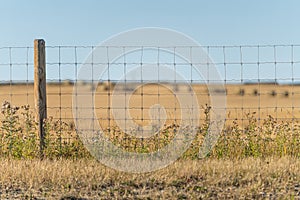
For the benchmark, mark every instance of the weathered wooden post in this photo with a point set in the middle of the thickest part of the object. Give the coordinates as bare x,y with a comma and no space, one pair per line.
40,98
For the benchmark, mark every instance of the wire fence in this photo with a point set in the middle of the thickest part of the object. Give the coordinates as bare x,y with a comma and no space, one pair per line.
260,80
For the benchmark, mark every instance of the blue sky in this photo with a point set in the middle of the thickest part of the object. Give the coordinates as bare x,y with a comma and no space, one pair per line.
88,22
209,22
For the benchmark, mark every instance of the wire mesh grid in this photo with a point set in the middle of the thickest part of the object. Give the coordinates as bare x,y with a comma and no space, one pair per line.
16,65
263,80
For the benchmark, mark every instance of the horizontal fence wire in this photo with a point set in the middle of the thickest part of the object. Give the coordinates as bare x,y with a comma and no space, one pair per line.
260,82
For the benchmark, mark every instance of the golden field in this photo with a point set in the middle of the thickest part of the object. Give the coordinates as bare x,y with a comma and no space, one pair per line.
280,101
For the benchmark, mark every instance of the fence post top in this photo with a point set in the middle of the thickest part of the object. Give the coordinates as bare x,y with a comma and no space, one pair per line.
39,41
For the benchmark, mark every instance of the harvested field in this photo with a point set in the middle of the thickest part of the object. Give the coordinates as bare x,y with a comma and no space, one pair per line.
279,101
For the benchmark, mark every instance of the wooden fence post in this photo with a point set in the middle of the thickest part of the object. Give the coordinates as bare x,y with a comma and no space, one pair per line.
40,98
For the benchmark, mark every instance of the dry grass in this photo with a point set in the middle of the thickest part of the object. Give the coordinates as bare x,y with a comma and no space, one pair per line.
247,178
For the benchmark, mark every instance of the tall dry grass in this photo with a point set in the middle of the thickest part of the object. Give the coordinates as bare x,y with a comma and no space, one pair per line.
248,178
